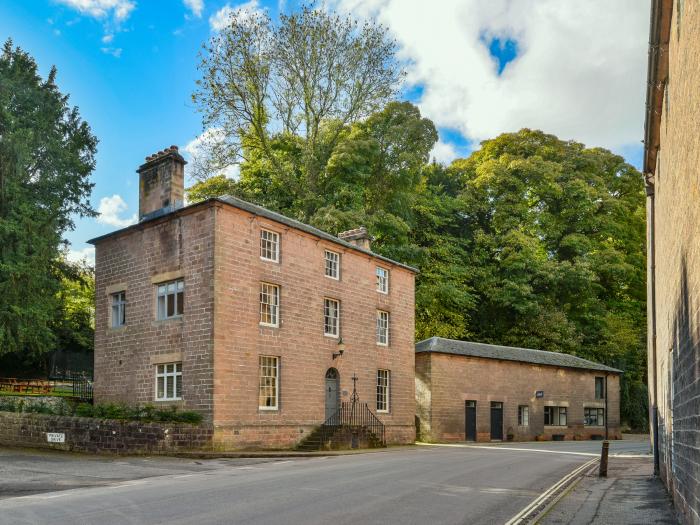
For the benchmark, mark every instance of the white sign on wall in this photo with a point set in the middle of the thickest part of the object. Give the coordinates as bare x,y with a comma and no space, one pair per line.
55,437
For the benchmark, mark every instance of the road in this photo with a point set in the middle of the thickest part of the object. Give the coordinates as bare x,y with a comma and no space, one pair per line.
420,485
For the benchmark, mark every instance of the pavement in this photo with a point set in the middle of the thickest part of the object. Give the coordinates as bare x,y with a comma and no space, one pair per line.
630,494
475,484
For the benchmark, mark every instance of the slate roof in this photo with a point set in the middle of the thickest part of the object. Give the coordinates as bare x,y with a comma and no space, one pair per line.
268,214
508,353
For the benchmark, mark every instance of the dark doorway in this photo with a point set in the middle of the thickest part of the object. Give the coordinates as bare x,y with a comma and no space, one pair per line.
332,391
496,421
470,420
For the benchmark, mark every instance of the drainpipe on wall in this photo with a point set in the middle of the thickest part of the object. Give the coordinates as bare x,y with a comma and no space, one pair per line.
652,279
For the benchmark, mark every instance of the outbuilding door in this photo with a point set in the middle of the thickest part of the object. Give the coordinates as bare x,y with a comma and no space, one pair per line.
470,420
496,421
332,391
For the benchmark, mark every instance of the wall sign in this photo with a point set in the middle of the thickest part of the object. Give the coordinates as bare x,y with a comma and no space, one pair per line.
539,394
55,437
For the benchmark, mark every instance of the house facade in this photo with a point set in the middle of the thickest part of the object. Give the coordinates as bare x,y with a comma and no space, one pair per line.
671,160
477,392
261,323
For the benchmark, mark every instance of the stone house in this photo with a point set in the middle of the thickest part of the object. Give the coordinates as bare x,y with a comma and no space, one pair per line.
257,321
478,392
671,160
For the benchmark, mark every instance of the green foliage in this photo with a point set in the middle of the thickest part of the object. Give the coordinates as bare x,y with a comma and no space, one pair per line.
145,413
46,157
305,78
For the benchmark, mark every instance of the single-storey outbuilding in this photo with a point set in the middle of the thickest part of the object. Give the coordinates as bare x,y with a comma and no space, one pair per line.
480,392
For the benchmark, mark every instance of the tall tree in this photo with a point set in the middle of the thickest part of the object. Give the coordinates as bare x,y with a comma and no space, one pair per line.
47,153
308,76
555,234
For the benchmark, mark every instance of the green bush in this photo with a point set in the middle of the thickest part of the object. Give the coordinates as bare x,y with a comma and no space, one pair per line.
146,413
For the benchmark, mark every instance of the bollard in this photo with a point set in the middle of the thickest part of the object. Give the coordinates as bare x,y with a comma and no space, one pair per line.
603,472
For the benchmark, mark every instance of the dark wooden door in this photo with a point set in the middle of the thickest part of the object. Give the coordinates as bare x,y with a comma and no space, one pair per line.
332,391
496,421
470,420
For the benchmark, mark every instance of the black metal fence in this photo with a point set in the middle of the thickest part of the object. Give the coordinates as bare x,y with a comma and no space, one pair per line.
353,415
82,390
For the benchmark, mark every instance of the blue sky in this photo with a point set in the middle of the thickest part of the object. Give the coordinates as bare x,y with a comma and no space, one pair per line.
130,66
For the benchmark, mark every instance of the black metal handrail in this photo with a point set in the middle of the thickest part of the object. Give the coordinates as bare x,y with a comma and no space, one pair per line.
356,416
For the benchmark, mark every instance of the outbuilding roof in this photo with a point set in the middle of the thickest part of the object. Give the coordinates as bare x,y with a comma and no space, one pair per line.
268,214
508,353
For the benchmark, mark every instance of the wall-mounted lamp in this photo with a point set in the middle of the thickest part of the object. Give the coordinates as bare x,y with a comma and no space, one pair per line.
341,348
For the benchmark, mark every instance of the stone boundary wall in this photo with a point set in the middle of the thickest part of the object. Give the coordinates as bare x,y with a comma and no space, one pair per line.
109,436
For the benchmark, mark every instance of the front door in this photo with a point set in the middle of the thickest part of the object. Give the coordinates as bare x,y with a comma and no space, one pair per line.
332,391
470,420
496,421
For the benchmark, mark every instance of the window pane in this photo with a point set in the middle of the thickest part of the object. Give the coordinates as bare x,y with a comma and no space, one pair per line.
178,383
171,305
180,303
268,382
180,285
168,387
161,307
161,389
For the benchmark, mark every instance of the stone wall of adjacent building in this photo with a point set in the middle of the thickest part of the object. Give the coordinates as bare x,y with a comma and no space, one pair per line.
135,261
445,382
677,246
305,353
102,435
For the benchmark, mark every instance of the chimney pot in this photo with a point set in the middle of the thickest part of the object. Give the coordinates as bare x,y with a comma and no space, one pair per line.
359,237
161,183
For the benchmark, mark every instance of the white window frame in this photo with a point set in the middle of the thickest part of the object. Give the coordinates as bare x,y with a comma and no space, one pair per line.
267,382
600,417
163,291
383,391
272,293
118,309
170,377
332,262
382,279
269,245
558,412
523,415
327,301
383,323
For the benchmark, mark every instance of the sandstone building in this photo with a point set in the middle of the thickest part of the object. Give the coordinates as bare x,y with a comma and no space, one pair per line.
255,320
480,392
671,161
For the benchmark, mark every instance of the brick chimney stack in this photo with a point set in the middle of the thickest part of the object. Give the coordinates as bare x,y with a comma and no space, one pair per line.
359,237
161,183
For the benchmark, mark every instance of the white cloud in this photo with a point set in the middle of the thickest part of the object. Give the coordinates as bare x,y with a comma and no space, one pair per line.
106,39
116,52
87,254
118,9
579,73
220,19
111,208
195,6
443,152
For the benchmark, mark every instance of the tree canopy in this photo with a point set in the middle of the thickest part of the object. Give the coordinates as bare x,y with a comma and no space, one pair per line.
530,241
266,87
47,153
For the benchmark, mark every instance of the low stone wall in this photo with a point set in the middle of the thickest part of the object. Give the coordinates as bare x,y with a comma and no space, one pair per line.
84,434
